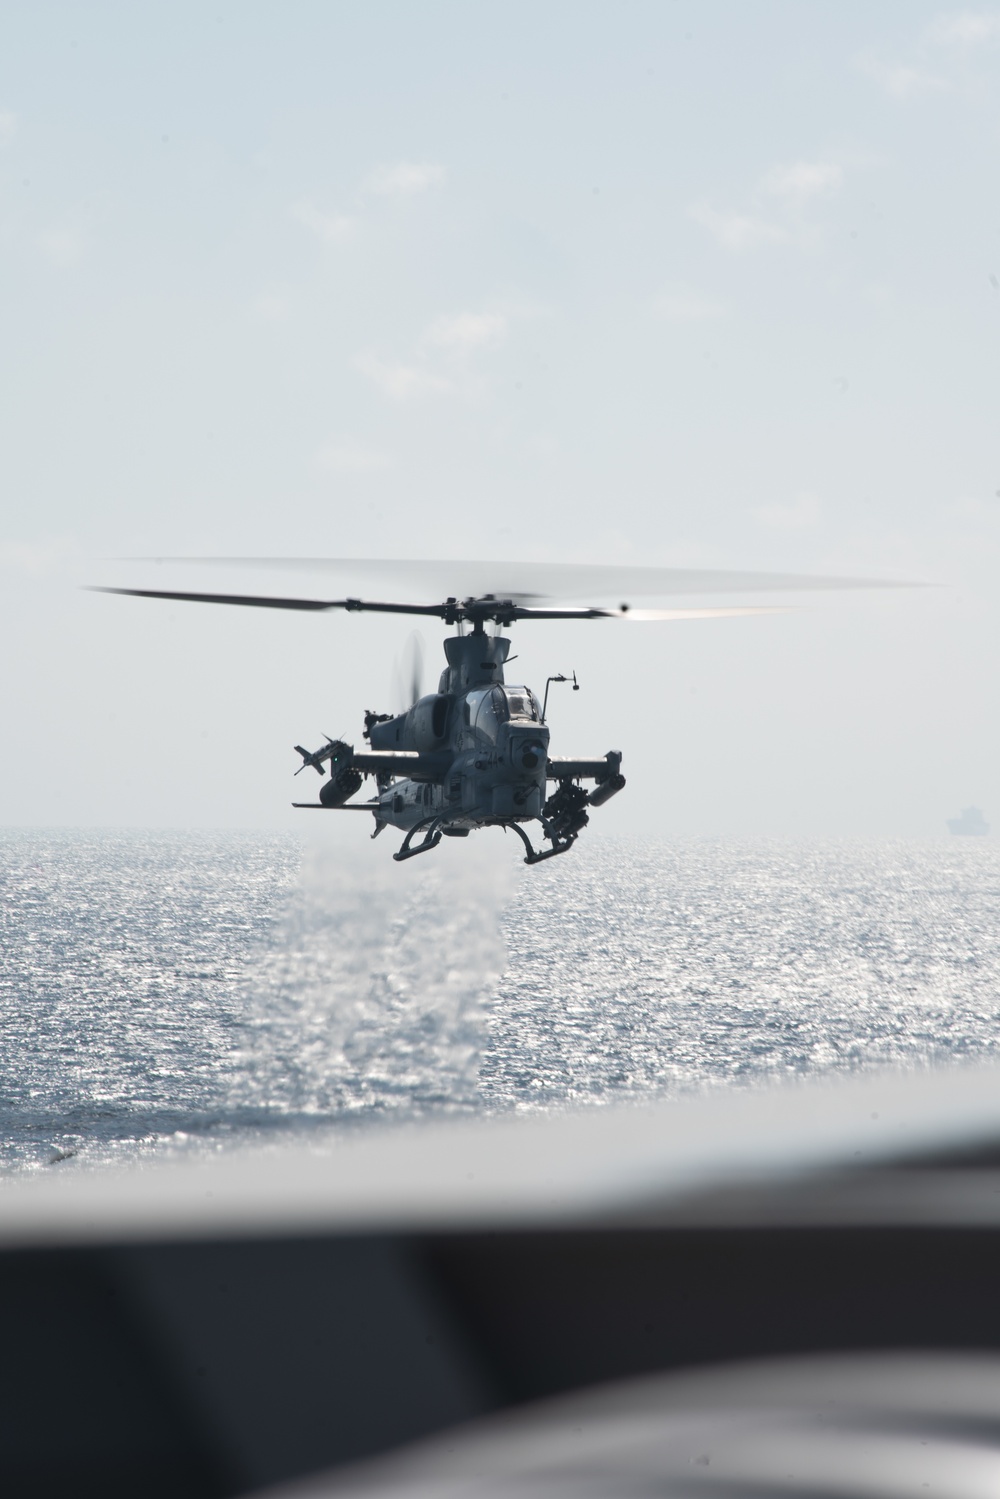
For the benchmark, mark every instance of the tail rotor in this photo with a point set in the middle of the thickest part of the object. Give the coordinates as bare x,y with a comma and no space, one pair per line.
408,673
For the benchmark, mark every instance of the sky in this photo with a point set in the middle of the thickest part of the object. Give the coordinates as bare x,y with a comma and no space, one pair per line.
648,283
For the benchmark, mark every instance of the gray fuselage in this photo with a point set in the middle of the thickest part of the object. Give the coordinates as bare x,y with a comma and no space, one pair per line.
482,744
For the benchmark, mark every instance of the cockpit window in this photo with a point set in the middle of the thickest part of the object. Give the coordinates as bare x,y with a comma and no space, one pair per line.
522,703
482,709
489,707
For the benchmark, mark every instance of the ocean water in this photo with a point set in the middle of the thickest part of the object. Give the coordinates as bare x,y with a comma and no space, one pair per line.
183,992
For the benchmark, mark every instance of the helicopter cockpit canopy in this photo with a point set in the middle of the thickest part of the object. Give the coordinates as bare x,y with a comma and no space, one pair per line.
522,703
488,708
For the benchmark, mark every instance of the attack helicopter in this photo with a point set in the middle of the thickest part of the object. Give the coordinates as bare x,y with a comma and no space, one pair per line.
475,753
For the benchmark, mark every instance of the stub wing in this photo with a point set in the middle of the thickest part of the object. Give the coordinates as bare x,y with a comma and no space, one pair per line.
409,763
334,807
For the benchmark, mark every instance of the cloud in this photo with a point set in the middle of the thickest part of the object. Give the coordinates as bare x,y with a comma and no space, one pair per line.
804,511
8,125
682,306
466,331
332,228
341,455
452,337
737,231
776,212
944,37
899,79
777,208
803,179
964,28
62,247
401,382
405,178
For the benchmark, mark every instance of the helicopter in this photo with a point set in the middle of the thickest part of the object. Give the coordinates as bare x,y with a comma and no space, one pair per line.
475,753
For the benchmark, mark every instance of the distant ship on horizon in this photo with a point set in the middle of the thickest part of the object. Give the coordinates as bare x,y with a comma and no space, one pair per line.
971,821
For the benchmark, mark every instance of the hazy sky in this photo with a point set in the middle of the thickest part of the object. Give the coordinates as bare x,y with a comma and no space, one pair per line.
712,284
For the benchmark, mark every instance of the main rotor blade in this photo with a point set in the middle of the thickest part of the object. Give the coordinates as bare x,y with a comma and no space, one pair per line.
449,609
265,601
540,580
645,616
259,601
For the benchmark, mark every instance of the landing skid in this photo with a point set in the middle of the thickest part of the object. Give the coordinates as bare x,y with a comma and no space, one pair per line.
431,839
431,828
535,856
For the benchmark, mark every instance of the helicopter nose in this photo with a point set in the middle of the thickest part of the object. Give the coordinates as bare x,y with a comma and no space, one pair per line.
530,754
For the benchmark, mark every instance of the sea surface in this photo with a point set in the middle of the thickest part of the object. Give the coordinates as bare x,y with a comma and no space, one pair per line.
174,992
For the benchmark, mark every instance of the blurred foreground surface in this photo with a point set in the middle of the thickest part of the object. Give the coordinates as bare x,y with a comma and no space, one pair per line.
789,1291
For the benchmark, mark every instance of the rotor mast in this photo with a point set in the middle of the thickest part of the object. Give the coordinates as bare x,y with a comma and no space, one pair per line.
475,660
